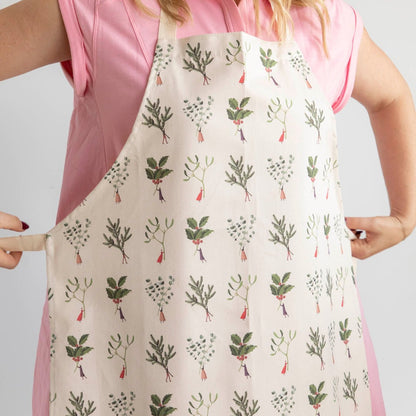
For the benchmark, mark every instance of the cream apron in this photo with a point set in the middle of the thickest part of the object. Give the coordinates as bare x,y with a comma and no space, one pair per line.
210,272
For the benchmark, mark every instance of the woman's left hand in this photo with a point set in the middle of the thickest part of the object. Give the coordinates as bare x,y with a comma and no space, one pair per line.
381,232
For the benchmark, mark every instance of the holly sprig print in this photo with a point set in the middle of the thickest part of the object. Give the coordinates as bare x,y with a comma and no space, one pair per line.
155,172
280,288
240,348
236,113
268,63
316,397
196,233
159,407
116,293
76,350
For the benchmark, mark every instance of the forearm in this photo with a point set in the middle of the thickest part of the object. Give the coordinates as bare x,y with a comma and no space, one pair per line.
394,127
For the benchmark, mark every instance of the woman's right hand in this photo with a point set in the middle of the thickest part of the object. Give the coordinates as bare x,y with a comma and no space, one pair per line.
11,222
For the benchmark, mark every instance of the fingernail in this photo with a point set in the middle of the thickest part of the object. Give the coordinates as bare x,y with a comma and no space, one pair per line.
24,225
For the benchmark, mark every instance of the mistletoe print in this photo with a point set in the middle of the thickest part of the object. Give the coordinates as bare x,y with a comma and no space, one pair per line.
76,290
195,170
277,111
210,271
239,288
234,54
157,232
118,348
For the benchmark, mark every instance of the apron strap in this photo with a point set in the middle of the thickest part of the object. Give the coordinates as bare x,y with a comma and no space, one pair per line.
34,242
167,27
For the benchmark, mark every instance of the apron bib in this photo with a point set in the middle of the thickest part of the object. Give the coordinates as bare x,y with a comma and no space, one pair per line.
210,271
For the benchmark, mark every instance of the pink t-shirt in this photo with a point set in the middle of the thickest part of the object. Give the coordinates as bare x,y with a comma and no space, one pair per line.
112,47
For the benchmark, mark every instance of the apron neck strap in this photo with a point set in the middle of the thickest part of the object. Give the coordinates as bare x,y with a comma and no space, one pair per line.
167,27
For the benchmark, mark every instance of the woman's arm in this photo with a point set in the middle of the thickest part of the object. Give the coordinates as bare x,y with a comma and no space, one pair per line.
32,34
383,91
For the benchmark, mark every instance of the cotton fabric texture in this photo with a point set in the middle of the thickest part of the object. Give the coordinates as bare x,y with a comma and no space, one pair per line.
112,46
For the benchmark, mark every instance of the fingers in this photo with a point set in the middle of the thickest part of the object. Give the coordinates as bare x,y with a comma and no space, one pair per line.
10,260
381,232
11,222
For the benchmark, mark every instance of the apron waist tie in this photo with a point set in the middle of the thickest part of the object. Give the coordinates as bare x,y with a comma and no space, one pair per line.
34,242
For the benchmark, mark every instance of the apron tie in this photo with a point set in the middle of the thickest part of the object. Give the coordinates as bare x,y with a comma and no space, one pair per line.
34,242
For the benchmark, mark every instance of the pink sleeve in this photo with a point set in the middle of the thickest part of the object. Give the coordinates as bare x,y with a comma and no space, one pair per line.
346,31
76,68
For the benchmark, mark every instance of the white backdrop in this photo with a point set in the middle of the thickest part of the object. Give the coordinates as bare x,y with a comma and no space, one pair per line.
35,112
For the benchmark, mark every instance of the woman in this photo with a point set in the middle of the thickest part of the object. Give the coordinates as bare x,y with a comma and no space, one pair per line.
384,107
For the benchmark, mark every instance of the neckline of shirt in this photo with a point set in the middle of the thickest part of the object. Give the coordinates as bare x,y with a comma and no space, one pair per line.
232,13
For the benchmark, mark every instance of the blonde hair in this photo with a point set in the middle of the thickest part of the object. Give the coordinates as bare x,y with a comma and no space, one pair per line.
180,11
